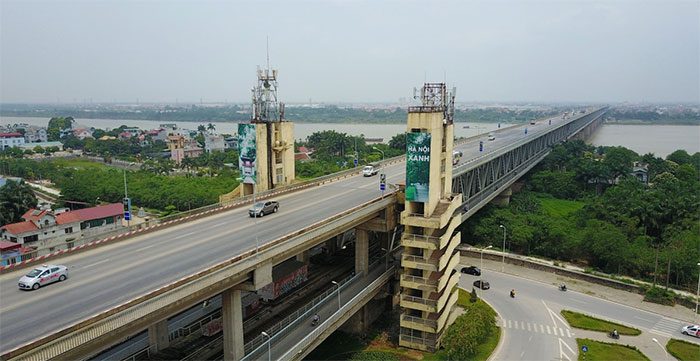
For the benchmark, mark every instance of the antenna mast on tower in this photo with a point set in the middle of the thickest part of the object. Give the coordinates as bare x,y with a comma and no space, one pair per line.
266,107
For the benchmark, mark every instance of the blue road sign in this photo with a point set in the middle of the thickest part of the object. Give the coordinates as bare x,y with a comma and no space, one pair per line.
525,130
584,348
355,161
127,215
481,146
382,187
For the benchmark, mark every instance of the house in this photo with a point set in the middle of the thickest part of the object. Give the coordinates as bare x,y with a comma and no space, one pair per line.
641,172
231,143
11,252
181,148
133,131
214,143
33,134
45,229
9,140
82,133
124,135
158,134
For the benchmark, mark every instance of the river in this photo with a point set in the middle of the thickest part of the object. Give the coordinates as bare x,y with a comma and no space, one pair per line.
658,139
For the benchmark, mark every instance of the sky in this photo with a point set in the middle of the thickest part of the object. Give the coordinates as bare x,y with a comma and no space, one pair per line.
350,51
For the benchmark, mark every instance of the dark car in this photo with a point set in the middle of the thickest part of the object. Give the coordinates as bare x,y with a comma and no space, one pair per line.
260,209
484,285
472,270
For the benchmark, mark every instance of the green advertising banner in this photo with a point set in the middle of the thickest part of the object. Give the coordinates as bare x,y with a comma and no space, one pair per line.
417,166
247,152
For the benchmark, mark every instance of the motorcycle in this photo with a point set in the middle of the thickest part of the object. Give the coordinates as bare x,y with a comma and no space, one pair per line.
512,294
614,335
562,288
315,321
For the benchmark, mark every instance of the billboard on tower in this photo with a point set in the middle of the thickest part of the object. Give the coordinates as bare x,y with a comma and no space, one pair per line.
417,167
247,152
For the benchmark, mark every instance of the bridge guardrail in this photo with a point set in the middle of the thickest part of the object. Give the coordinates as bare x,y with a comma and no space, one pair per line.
139,308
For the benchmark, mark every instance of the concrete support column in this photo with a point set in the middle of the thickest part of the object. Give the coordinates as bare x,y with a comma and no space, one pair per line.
158,338
361,251
232,317
332,244
303,257
503,199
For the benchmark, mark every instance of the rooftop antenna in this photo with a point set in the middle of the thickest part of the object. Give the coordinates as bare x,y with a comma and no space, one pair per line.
267,49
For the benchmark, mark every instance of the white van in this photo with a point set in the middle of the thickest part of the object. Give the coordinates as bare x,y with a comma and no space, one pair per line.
370,170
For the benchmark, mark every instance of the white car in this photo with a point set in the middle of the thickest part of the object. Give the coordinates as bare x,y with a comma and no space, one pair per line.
42,276
492,137
692,330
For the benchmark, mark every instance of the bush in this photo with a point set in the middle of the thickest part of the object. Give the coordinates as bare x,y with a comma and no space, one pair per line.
374,356
473,297
469,330
660,295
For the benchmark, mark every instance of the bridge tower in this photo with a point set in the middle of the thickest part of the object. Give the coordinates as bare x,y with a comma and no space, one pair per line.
428,280
266,144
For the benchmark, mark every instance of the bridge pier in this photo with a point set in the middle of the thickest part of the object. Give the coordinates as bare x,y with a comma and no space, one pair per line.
503,199
158,336
232,317
361,250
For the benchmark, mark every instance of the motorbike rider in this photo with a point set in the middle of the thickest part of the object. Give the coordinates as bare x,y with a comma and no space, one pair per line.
562,286
512,293
615,334
315,319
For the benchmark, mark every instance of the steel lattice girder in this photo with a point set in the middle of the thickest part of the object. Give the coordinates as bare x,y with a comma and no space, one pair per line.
473,179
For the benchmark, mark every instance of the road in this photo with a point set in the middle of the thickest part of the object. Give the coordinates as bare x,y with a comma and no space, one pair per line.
533,328
111,275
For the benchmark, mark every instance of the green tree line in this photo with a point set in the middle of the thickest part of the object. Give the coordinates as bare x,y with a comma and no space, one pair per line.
581,205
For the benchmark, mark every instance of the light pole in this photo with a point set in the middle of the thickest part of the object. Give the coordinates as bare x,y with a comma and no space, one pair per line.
337,284
482,257
126,199
697,294
663,348
503,260
269,347
386,261
380,151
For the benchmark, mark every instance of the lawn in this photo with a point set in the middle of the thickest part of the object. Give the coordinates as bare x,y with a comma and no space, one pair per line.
601,351
559,207
78,163
683,350
585,322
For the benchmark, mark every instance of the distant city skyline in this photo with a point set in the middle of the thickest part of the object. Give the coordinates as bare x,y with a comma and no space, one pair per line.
350,51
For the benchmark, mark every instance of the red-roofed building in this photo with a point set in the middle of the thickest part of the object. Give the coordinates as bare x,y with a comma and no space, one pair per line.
9,140
47,229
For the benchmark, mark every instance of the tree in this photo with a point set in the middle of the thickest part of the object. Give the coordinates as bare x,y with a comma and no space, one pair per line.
16,198
398,142
211,127
56,125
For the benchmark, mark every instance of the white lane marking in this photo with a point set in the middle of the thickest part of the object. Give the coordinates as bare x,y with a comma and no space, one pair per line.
508,323
561,350
554,315
504,323
541,328
549,332
522,324
147,247
96,263
516,324
528,326
561,332
568,334
554,331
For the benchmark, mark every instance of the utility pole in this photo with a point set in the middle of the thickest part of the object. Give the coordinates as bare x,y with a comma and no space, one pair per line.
127,201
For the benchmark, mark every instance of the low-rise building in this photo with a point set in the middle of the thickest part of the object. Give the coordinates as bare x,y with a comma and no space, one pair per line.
181,148
82,133
34,134
9,140
214,143
46,229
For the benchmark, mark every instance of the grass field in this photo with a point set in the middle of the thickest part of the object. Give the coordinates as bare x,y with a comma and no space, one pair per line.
601,351
78,163
585,322
559,207
683,350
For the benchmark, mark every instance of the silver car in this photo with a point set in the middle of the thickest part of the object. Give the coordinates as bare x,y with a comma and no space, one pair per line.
260,209
42,276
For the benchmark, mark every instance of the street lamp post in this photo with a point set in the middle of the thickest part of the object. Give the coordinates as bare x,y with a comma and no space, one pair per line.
482,257
503,260
386,260
663,348
380,151
269,347
337,284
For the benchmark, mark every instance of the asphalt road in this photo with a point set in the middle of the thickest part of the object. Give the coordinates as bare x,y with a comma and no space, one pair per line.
533,328
111,275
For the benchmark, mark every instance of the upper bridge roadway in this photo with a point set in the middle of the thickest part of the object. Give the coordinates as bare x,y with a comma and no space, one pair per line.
107,276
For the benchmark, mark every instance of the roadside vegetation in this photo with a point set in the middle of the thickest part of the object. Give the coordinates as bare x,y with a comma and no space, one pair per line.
603,351
579,320
582,205
683,350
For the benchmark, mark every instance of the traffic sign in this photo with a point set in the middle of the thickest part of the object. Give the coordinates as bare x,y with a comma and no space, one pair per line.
584,348
382,187
382,178
127,215
355,161
481,146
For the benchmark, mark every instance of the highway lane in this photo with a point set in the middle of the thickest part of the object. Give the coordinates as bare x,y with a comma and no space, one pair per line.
533,327
110,275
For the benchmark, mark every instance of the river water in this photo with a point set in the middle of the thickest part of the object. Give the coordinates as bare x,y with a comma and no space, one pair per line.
658,139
